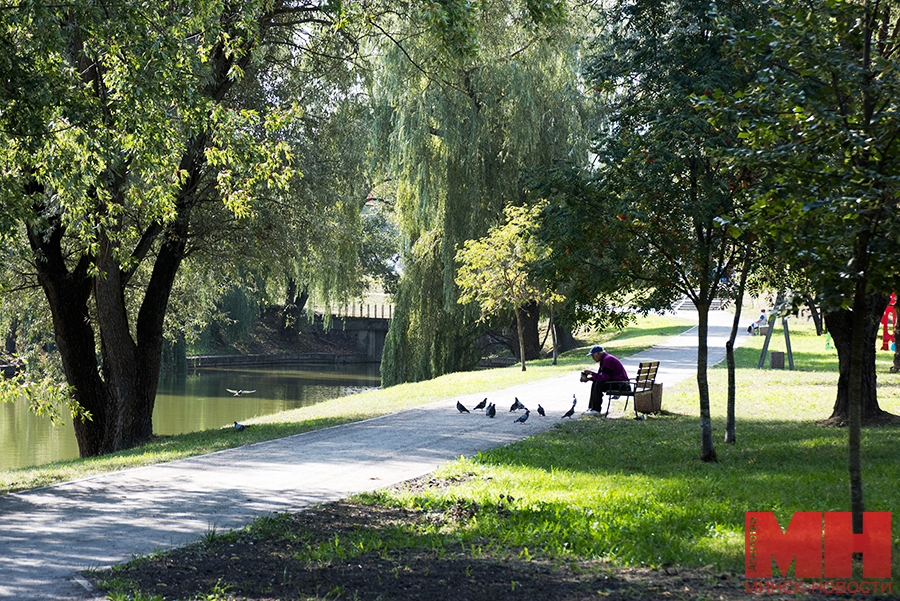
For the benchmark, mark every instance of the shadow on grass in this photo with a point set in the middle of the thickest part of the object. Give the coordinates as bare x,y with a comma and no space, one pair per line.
748,357
647,497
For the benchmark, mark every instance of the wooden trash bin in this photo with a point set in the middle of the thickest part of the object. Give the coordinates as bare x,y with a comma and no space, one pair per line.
649,402
776,360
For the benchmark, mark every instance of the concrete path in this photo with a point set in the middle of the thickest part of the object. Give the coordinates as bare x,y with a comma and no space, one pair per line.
48,535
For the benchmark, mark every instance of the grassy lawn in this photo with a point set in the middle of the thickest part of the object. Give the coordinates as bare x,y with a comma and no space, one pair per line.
646,333
636,492
592,504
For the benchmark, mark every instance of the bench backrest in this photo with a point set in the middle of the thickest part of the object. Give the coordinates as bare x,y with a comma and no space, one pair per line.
646,376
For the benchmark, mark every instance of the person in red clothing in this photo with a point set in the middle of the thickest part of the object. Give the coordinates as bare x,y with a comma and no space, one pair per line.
610,377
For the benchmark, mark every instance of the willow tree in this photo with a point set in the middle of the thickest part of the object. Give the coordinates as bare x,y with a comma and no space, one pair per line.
457,130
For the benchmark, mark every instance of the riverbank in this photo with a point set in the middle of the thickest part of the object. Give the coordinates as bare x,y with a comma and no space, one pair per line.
646,333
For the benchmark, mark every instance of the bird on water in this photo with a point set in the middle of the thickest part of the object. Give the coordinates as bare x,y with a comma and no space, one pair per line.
239,392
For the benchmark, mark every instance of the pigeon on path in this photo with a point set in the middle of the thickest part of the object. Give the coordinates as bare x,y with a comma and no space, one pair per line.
482,404
571,411
523,418
541,411
461,408
517,405
491,410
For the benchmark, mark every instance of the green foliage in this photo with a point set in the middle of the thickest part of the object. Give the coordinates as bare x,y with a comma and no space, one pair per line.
380,247
496,271
819,127
649,223
820,121
456,134
159,135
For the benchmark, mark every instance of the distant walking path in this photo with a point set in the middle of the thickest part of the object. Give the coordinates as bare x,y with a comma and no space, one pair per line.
48,535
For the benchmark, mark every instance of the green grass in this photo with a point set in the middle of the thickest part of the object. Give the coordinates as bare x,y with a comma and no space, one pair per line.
637,493
646,333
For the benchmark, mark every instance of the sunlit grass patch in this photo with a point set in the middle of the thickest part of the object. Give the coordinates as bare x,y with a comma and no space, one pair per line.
637,493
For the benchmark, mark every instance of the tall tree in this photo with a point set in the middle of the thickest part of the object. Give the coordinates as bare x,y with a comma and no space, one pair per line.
456,135
821,124
127,146
649,222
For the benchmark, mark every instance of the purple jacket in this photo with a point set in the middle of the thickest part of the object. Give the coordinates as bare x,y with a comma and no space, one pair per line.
609,369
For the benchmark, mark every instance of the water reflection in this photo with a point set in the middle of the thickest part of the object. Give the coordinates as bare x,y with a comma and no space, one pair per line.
192,402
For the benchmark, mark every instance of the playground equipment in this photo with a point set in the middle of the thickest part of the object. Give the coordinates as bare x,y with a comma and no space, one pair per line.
889,325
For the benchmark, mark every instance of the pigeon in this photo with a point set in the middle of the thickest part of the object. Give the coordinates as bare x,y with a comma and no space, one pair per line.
522,418
571,411
541,411
461,408
517,405
491,410
482,404
239,392
240,427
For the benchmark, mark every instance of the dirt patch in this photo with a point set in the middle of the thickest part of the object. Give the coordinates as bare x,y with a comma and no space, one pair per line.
264,564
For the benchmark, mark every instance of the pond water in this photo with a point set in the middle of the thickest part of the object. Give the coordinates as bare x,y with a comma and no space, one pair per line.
190,403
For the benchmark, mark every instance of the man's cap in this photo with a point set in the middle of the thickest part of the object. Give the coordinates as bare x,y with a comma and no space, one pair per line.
596,349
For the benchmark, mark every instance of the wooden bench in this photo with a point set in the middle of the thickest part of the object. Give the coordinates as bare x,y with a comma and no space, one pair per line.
641,389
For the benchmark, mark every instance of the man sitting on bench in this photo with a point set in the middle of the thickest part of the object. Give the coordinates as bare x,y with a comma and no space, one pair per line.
610,377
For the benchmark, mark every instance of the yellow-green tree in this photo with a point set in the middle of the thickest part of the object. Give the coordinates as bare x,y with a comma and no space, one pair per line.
497,271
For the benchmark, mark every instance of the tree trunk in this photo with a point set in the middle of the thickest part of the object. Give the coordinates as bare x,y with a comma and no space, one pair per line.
119,391
564,338
294,304
730,435
527,335
553,331
707,450
519,327
9,342
840,325
816,316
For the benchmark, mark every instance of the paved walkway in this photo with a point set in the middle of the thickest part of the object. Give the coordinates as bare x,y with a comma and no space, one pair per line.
48,535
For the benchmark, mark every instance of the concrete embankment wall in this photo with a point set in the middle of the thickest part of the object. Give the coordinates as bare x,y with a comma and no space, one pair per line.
284,359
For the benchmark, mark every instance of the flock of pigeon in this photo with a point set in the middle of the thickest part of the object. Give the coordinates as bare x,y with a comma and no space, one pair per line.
490,409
